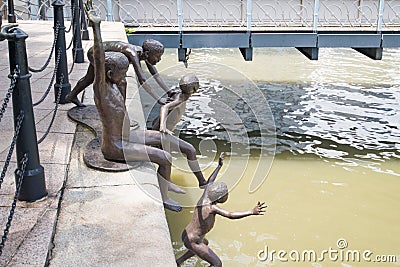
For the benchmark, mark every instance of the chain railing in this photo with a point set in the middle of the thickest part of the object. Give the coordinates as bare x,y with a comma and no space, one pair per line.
20,178
54,113
56,30
8,94
25,138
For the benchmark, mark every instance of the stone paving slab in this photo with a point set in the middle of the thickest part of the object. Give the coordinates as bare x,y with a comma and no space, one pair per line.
105,238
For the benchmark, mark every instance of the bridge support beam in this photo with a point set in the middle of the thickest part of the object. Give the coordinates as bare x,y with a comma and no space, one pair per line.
182,52
247,53
374,53
309,52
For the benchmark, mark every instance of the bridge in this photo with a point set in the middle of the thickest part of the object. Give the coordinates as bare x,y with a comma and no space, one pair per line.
367,26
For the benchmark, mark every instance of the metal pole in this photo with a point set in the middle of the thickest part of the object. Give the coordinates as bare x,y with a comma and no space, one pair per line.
62,67
249,14
11,14
77,50
182,52
316,12
180,18
42,14
85,32
33,185
380,15
110,16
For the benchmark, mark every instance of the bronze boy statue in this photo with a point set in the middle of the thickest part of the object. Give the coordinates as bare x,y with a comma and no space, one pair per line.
204,218
150,52
172,111
118,143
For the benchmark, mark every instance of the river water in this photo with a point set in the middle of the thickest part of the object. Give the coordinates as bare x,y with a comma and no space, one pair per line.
318,141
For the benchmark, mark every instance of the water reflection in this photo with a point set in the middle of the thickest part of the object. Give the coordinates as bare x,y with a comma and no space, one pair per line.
321,119
344,106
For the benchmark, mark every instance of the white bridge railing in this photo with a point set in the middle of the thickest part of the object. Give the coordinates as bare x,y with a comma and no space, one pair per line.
254,13
311,14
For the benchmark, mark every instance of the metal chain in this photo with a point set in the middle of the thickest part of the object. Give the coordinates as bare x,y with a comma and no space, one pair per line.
75,53
20,174
46,93
72,20
20,118
73,61
55,110
51,53
9,93
70,27
70,43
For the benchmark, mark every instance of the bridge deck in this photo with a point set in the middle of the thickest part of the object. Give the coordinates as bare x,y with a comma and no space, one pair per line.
364,39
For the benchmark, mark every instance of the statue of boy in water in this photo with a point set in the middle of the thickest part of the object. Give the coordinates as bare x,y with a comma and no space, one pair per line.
172,111
118,142
150,52
204,218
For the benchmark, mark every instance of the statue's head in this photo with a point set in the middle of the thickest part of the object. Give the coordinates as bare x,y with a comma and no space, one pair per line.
117,65
189,84
152,50
218,192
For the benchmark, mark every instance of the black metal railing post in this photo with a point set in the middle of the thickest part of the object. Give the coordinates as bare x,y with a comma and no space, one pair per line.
33,185
77,50
11,13
85,32
62,66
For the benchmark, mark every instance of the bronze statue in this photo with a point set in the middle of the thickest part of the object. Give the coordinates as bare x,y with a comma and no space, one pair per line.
193,236
172,111
150,52
118,142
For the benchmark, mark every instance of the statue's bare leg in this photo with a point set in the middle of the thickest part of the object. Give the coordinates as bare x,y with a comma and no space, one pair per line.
154,138
188,254
173,143
203,251
139,152
177,144
81,85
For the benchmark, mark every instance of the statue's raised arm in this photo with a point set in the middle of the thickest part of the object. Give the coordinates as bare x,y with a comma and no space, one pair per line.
98,49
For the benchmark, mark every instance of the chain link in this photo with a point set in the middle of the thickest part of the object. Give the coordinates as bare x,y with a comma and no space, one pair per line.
73,61
72,20
20,118
51,53
70,43
75,52
9,93
52,79
55,110
20,174
70,27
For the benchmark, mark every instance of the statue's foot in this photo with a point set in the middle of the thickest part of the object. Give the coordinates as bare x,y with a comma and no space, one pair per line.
75,100
203,185
176,189
172,205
